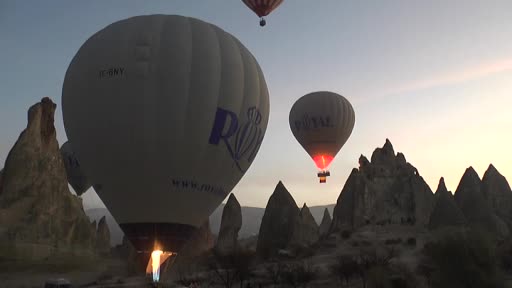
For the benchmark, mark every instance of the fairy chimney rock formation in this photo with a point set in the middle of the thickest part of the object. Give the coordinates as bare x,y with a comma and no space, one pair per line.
231,222
305,232
276,229
446,212
103,237
36,207
472,197
471,200
497,191
325,225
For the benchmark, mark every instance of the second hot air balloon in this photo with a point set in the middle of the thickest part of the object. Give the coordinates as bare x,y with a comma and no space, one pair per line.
76,177
322,123
262,8
165,113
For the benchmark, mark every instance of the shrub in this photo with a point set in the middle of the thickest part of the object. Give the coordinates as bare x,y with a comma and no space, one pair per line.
345,268
232,267
299,274
275,272
378,277
411,241
461,260
393,241
345,234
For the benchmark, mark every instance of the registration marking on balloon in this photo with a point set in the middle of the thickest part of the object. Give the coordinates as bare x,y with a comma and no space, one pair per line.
111,72
242,141
313,122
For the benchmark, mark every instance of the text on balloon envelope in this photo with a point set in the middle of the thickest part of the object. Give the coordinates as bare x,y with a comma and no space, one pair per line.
202,187
111,72
242,140
313,122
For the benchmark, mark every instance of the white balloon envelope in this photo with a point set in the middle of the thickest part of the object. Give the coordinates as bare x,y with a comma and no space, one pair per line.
322,123
166,113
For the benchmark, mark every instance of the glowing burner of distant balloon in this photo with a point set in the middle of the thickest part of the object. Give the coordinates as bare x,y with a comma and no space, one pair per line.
158,257
322,162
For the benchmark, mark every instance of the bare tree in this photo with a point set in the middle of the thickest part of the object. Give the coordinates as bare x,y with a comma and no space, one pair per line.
345,268
300,274
232,267
370,258
275,271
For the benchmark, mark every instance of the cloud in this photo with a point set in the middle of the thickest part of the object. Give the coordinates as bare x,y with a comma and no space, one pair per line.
453,77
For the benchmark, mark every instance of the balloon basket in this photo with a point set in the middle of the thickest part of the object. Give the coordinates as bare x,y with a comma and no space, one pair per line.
322,175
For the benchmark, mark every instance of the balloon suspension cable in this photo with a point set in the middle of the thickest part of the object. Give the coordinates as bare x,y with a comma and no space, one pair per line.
322,175
262,22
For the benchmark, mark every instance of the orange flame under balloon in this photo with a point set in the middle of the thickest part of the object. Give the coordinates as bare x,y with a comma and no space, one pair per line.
158,257
322,161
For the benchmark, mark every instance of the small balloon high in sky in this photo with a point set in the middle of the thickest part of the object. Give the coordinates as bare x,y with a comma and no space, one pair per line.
322,123
262,8
180,110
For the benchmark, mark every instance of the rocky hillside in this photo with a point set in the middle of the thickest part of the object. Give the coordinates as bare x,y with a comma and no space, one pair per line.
385,190
39,216
250,225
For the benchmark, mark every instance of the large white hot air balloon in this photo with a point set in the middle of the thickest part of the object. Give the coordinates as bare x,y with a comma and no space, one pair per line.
166,113
76,177
322,122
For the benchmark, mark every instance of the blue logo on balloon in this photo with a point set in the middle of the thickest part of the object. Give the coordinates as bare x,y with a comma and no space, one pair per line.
242,141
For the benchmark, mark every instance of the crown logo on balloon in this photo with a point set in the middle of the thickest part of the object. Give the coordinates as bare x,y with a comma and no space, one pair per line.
242,140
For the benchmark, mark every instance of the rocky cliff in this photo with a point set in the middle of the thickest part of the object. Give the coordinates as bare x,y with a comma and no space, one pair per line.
38,214
387,190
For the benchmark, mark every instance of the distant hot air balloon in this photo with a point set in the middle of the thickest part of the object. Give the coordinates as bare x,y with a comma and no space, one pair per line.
76,177
262,7
322,122
166,113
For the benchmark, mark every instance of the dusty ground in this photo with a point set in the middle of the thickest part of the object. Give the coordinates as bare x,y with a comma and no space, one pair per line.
36,275
113,273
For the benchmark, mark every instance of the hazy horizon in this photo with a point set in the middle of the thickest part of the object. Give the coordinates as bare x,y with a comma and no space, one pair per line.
435,77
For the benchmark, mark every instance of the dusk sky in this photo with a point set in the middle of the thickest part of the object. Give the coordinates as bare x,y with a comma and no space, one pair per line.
435,77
